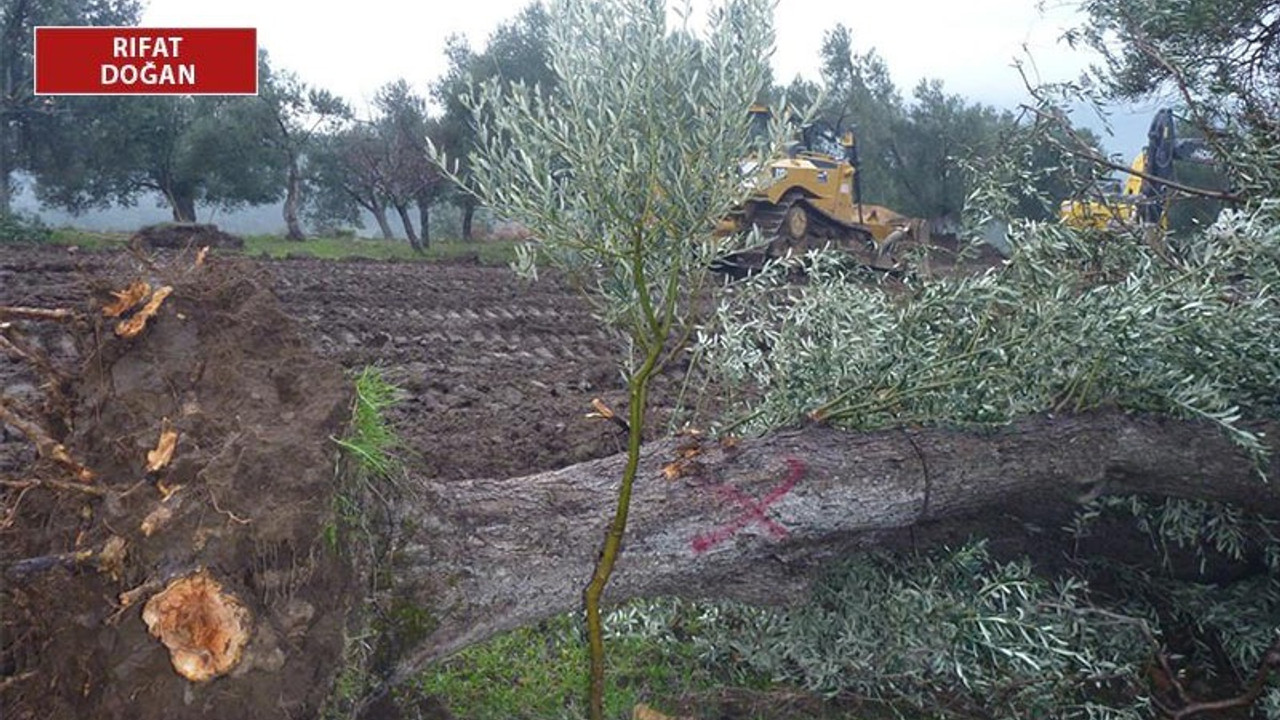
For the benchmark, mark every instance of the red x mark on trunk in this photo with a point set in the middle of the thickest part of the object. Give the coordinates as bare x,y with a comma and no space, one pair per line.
755,511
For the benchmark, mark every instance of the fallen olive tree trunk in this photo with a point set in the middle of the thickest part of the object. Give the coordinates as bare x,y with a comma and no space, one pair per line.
755,520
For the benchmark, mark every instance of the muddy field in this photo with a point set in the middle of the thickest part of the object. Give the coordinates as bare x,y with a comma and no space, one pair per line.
497,374
495,378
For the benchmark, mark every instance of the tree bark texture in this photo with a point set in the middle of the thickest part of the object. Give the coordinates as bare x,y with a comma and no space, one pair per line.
468,214
10,58
756,520
183,206
293,201
6,167
384,225
424,220
407,221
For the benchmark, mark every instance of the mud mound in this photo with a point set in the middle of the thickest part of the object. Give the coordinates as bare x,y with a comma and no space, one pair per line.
176,236
245,497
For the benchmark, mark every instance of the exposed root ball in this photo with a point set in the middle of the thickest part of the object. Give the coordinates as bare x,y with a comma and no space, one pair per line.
204,627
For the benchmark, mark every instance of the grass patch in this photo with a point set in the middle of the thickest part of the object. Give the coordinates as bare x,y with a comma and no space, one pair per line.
369,449
275,246
21,228
541,671
88,239
488,252
368,478
371,441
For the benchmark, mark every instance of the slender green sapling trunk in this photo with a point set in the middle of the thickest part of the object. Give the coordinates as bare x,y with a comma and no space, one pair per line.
620,174
638,398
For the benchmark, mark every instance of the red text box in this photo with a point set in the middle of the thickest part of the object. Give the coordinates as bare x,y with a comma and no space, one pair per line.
146,61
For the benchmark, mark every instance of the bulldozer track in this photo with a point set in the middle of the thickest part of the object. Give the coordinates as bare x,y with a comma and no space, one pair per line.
821,231
768,218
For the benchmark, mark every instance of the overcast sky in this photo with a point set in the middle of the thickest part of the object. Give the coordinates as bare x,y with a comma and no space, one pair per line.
353,47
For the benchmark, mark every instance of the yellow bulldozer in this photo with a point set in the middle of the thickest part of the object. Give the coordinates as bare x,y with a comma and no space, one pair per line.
810,197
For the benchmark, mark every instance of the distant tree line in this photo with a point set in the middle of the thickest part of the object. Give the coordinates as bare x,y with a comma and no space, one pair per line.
332,166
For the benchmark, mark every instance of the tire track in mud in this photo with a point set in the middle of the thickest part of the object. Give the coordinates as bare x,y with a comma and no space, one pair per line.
496,373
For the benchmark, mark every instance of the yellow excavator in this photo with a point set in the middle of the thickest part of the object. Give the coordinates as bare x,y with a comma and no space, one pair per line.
810,197
1143,199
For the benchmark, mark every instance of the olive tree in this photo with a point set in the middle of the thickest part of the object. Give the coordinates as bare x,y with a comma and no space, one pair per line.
620,175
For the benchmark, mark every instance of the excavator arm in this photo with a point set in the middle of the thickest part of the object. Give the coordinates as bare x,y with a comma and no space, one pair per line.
1164,147
1145,197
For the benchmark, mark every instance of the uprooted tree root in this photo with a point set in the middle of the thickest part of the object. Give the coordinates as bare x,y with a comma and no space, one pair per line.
1174,701
184,474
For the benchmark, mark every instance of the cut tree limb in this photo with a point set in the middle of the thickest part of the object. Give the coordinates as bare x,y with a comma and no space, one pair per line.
29,313
756,521
46,446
